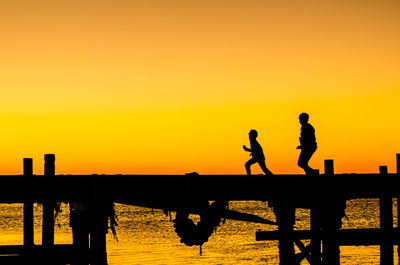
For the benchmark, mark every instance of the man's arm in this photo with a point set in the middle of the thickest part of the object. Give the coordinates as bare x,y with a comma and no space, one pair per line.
301,143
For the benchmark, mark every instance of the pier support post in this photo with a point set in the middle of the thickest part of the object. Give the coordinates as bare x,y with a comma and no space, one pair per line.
98,223
48,206
285,217
315,215
331,225
28,205
329,170
80,231
398,202
386,225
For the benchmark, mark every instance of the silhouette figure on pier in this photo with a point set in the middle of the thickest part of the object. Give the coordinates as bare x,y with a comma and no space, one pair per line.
308,144
256,153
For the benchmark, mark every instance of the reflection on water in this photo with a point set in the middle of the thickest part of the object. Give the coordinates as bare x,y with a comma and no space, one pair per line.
148,237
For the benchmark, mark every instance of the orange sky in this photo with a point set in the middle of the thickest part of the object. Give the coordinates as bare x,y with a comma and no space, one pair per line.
175,86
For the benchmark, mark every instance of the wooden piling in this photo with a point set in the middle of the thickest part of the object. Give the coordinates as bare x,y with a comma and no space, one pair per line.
48,206
398,163
315,216
285,216
398,202
80,233
386,225
98,223
329,170
330,244
28,205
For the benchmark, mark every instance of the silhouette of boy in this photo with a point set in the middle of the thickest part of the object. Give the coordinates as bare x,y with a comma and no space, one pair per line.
308,144
256,153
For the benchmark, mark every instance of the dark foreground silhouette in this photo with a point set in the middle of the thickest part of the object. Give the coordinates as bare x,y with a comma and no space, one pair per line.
94,196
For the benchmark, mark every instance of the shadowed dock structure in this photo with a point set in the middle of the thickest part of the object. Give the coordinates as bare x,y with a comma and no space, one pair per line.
325,195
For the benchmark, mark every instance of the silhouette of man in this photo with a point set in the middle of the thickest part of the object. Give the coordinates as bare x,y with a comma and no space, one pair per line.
308,144
256,153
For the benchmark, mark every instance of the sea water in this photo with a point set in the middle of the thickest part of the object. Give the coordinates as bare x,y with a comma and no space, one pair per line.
147,236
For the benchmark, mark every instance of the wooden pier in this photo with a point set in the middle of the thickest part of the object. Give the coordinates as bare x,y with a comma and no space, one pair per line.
325,195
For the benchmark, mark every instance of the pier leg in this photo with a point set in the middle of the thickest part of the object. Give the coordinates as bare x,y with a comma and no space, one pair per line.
386,224
80,231
28,207
329,169
48,206
285,216
330,245
315,235
331,223
398,202
98,223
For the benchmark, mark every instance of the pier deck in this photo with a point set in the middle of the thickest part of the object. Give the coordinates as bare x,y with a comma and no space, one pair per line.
17,188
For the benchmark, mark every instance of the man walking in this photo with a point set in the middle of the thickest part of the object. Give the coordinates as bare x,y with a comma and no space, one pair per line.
308,144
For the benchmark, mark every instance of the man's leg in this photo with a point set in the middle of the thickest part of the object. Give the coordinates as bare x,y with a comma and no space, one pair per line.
264,168
305,156
248,164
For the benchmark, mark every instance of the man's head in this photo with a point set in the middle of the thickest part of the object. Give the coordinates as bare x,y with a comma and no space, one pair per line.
253,134
303,118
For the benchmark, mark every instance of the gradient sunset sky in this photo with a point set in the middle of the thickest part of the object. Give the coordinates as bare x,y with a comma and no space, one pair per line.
168,87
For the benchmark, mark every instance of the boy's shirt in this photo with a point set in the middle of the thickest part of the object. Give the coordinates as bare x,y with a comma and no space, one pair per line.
307,139
256,150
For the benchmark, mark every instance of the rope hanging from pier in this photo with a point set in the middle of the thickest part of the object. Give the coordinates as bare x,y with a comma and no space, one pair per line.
197,234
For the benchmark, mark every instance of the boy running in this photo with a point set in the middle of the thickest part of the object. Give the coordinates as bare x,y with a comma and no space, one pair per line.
256,153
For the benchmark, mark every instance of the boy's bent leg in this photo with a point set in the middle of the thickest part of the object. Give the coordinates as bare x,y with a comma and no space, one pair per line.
248,164
264,167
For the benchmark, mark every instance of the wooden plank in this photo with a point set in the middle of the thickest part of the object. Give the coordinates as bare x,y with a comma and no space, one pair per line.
194,208
210,187
305,252
386,224
48,205
79,222
329,170
19,249
397,164
12,259
28,205
315,224
56,254
98,223
285,216
398,202
330,246
345,237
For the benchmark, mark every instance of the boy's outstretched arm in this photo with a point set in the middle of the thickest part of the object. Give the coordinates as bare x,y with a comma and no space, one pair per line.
246,149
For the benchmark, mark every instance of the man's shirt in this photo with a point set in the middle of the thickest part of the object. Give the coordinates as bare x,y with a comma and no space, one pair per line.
307,139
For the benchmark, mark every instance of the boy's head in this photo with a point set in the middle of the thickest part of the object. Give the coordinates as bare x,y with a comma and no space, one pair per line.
303,118
253,134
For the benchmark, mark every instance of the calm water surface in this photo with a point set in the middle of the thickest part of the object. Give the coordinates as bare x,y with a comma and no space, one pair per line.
148,237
